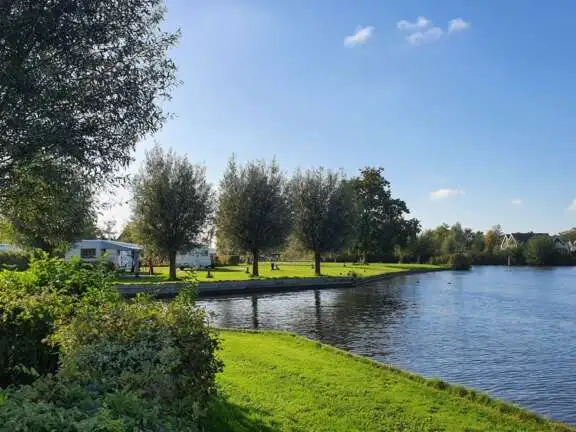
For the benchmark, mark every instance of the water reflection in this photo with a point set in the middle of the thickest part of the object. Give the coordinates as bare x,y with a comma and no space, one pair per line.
509,332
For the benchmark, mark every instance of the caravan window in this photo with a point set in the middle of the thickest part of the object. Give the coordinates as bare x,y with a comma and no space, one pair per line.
87,253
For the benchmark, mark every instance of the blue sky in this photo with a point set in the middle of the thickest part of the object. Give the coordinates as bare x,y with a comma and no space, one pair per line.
470,106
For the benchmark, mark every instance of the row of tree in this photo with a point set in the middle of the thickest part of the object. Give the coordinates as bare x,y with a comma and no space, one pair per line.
437,245
258,207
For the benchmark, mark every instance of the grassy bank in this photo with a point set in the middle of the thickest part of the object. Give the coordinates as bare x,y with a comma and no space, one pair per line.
286,270
274,381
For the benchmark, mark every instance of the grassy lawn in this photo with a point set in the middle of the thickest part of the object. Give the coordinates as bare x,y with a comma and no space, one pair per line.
280,382
287,270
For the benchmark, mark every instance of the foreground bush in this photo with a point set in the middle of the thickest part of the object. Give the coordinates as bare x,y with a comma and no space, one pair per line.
53,404
163,352
90,361
34,303
14,260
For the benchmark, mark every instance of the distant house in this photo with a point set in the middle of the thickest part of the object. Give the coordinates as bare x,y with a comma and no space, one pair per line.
123,255
515,240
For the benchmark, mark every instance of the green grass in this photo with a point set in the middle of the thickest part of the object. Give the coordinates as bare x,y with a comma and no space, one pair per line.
280,382
287,270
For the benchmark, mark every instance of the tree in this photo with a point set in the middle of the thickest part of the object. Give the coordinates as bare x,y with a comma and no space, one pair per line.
253,213
539,251
49,210
131,234
381,218
172,202
569,235
492,239
81,82
107,231
322,211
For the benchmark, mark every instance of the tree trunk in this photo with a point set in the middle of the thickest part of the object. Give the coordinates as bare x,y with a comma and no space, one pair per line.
317,264
172,259
255,257
364,257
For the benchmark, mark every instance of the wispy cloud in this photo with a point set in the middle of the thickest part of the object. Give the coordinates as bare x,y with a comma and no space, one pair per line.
457,24
422,30
572,206
517,201
360,36
429,35
445,193
420,23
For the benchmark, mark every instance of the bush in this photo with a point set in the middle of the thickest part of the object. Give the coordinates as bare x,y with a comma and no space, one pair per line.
164,353
33,304
540,251
93,362
56,404
459,261
14,260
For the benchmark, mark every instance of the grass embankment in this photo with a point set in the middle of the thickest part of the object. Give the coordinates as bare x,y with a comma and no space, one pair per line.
287,270
277,381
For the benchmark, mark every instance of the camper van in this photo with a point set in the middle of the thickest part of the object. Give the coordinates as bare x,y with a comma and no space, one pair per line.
196,258
124,256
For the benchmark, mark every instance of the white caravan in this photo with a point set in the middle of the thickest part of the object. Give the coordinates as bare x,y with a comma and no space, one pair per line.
123,255
196,258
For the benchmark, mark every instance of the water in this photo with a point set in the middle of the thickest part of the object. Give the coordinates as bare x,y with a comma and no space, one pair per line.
509,332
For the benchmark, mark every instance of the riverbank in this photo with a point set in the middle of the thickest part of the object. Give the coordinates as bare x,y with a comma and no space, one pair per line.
278,381
282,270
272,285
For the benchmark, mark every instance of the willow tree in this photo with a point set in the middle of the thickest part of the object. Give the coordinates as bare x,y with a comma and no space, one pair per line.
323,212
172,203
253,213
81,82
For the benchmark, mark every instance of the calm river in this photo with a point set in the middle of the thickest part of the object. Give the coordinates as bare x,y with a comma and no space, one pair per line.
509,332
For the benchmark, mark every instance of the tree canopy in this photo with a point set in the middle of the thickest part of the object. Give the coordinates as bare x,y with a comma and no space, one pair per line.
46,214
539,251
381,223
322,210
81,82
253,214
172,203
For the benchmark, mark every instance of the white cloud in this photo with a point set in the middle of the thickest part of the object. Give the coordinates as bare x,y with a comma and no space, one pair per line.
457,24
572,206
360,36
420,23
422,30
517,201
429,35
445,193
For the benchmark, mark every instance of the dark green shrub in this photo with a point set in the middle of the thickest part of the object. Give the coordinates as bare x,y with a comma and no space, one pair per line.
459,261
163,353
74,277
540,251
14,260
56,404
32,306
